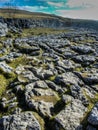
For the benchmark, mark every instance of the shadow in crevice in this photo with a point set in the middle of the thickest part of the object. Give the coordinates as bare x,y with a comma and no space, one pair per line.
60,105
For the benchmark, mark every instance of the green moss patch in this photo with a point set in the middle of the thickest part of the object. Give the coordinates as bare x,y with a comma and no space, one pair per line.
20,60
52,78
3,84
39,31
40,120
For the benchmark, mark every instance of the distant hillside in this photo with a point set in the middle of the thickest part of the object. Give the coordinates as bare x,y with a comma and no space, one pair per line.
23,13
28,19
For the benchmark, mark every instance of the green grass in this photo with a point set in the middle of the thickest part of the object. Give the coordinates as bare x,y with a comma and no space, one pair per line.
32,31
7,74
40,120
20,60
39,31
1,45
16,13
3,84
52,78
79,69
5,80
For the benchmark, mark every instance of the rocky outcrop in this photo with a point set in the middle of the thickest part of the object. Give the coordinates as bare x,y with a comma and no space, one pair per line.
15,24
32,23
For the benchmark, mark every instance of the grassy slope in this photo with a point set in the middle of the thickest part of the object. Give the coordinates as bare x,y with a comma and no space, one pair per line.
23,14
16,13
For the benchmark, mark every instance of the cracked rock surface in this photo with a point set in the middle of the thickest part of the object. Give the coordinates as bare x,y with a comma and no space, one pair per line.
49,81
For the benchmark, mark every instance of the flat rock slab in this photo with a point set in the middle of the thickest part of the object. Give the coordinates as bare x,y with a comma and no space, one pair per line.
23,121
68,79
41,98
70,117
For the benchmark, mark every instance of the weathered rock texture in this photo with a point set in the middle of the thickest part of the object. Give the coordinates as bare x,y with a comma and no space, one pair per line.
54,76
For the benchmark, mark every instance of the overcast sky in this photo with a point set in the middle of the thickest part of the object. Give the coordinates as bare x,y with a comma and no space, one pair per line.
85,9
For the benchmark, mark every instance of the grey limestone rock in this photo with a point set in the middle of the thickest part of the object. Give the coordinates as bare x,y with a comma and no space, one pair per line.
68,79
5,68
93,117
41,98
83,49
40,84
84,59
22,121
89,78
70,117
3,29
